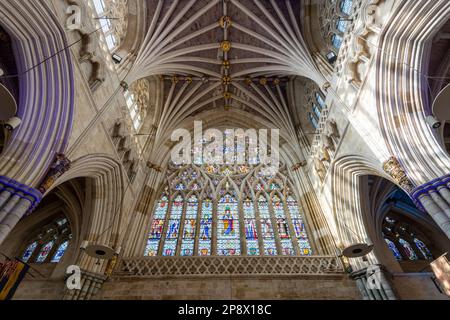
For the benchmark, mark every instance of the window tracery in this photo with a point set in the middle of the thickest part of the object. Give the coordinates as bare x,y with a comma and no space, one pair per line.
234,210
49,244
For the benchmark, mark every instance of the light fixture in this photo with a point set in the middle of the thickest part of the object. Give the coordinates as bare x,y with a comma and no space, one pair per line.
116,58
358,250
433,122
9,105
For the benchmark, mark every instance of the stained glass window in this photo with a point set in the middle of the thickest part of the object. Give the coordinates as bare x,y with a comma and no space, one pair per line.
184,224
228,240
251,233
190,224
423,249
157,227
269,243
394,249
282,225
204,245
29,251
336,40
299,227
341,25
346,6
60,252
320,100
45,252
313,120
170,245
317,111
407,249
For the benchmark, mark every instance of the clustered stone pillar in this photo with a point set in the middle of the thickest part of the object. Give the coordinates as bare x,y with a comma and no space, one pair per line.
434,198
91,283
16,200
373,283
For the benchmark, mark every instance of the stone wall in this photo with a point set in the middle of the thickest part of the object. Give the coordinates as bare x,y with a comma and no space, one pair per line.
250,288
417,286
31,289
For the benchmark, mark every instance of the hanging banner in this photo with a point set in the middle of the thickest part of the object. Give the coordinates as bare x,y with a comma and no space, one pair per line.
12,273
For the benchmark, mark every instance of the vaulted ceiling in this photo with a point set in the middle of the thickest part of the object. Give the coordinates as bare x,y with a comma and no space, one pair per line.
231,56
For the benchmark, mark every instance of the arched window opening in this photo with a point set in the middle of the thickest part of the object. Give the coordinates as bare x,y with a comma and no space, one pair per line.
228,210
49,243
403,240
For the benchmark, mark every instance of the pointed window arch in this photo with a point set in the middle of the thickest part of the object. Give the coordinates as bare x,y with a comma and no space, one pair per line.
234,212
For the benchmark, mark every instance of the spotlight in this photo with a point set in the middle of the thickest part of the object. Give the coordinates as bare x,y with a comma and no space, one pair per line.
331,57
116,58
12,123
433,122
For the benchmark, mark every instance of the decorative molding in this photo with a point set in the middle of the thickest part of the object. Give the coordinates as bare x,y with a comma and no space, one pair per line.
150,267
21,190
393,168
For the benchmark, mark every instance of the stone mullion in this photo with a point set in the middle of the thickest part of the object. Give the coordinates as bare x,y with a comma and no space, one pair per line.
198,227
259,227
181,228
214,229
166,225
52,251
276,234
242,235
292,233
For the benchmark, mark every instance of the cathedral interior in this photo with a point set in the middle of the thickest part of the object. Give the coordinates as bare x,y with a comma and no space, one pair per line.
93,92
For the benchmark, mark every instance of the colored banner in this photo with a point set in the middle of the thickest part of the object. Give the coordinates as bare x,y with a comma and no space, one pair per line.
11,274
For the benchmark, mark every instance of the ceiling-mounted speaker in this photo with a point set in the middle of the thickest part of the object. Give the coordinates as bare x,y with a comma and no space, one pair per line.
9,106
358,250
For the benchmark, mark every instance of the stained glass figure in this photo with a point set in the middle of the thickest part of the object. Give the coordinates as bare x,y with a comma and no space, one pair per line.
60,252
190,224
173,227
270,247
228,242
251,233
45,252
299,227
29,251
393,249
204,246
407,249
423,249
283,227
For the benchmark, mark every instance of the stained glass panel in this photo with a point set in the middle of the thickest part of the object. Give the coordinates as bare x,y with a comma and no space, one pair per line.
45,252
266,227
60,252
173,227
152,247
299,227
423,249
394,249
228,242
170,247
190,224
407,249
29,251
204,246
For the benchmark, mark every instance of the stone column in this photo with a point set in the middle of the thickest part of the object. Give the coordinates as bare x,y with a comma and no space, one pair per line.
434,198
91,284
16,200
373,283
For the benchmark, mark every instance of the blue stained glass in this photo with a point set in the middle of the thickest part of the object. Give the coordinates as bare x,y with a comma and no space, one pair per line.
286,247
346,6
270,248
408,250
299,227
152,247
45,251
228,242
252,247
204,246
190,223
250,229
341,25
394,249
187,247
29,251
320,100
161,209
313,120
336,40
317,111
423,249
170,247
60,252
